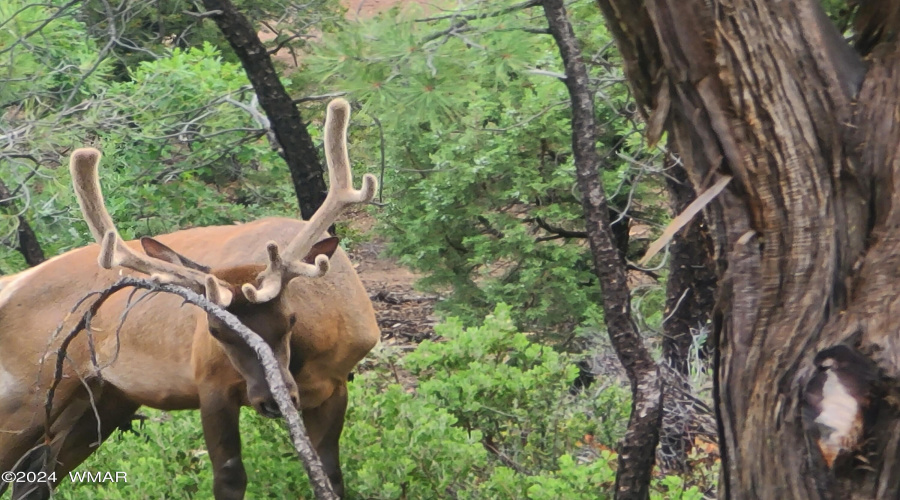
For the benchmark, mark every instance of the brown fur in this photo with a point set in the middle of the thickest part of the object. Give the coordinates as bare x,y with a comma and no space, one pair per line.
165,356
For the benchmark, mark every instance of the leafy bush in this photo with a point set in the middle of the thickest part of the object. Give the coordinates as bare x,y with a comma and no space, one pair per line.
488,415
514,391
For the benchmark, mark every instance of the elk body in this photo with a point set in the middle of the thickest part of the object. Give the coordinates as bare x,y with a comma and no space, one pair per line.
284,279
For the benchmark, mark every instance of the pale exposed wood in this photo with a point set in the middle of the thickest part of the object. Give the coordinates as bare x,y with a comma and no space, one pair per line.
684,217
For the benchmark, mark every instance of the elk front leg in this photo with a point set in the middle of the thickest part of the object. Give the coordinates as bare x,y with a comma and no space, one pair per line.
324,425
220,414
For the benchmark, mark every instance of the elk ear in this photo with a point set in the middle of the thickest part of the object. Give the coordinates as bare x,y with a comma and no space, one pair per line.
326,247
157,250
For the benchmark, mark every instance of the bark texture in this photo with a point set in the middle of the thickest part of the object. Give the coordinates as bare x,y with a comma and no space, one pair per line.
637,451
28,244
806,235
300,154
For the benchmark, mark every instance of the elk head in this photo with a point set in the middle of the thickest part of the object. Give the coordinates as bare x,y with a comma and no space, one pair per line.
252,292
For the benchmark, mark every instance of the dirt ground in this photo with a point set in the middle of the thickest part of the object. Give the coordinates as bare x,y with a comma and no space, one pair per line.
368,8
404,315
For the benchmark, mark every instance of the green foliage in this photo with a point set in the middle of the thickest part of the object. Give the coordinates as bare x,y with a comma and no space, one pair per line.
495,380
491,417
167,458
40,67
47,65
480,173
402,446
840,13
178,152
478,151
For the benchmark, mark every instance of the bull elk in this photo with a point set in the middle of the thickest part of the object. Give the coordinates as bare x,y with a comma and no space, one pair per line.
299,292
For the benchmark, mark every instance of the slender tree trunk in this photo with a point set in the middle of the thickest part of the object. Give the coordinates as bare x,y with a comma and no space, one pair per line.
691,287
690,297
28,244
806,234
637,451
290,130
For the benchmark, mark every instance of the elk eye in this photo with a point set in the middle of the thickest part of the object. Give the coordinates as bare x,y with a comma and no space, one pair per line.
292,320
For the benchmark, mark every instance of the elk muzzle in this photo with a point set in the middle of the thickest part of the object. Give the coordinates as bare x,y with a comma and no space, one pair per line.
261,399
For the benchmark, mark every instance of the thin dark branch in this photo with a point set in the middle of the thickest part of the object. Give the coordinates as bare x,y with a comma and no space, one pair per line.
558,231
274,50
459,25
489,228
381,176
28,244
59,12
495,13
321,97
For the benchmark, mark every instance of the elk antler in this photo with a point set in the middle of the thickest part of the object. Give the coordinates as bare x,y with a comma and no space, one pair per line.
113,250
281,269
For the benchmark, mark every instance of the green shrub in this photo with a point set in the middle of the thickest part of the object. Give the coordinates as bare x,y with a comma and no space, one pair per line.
482,413
514,391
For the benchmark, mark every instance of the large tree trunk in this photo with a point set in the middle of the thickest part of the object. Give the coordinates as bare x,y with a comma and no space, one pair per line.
805,234
299,153
637,450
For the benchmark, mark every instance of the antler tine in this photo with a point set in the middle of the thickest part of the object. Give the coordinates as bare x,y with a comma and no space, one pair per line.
113,250
340,195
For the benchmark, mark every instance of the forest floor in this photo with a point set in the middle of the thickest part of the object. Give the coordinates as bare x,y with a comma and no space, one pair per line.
404,315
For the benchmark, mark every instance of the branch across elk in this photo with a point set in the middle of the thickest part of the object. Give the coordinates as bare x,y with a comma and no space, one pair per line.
305,301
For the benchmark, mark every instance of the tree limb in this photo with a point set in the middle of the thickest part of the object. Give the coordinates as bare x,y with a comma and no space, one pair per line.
28,244
558,231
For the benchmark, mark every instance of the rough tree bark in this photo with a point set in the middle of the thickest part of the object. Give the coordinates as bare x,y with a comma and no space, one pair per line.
637,451
806,234
300,154
28,244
